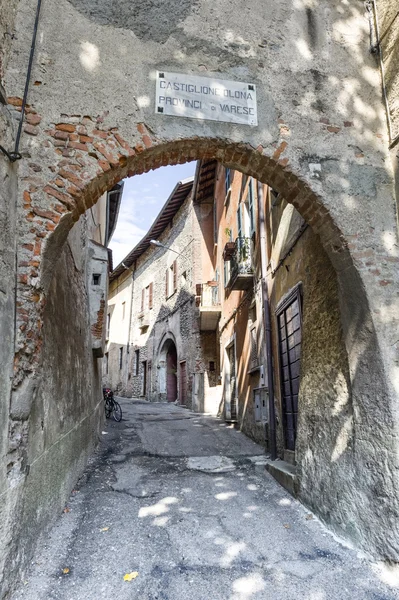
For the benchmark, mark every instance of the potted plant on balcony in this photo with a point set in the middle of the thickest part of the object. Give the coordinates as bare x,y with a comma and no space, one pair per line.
229,247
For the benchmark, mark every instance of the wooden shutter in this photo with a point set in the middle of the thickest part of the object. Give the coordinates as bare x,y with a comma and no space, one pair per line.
150,295
175,275
251,206
167,284
142,299
239,222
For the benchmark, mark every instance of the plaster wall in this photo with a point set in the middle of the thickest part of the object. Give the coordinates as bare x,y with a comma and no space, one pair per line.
176,316
388,20
321,139
118,317
328,420
10,488
67,410
8,10
239,307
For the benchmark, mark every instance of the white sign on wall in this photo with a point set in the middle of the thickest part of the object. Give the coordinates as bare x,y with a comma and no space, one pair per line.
180,95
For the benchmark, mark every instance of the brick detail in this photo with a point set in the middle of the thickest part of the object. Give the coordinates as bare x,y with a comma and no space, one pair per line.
85,159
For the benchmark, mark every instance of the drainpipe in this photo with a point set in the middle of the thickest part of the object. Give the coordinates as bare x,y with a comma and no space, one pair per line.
267,323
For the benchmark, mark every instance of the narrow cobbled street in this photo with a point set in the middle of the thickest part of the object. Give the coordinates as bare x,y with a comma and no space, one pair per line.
182,503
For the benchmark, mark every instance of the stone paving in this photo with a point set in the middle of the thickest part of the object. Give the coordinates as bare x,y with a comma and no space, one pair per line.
182,504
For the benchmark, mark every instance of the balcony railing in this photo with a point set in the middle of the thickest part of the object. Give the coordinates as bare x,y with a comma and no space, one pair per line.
210,294
209,305
241,269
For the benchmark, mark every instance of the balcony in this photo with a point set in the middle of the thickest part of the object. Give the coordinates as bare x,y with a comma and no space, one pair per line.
144,320
209,306
241,270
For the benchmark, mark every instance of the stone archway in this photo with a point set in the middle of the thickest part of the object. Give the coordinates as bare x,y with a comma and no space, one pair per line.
321,141
93,158
167,366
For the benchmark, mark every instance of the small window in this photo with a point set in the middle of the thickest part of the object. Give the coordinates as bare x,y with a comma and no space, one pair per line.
123,309
183,278
121,357
171,279
212,365
136,364
254,347
106,363
96,278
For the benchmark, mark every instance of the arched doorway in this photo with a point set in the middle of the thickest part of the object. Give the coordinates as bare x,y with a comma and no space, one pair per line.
167,371
171,372
361,339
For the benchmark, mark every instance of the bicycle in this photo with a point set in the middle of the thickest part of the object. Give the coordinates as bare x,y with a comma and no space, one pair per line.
112,407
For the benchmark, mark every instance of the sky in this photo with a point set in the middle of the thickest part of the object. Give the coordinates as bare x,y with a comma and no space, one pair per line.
142,199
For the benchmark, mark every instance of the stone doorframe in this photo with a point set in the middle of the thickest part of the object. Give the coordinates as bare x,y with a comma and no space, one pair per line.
76,159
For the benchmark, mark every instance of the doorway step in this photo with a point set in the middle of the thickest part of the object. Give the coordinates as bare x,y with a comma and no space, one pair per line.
285,473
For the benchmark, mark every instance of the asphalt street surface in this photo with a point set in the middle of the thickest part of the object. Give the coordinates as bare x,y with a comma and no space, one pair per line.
181,504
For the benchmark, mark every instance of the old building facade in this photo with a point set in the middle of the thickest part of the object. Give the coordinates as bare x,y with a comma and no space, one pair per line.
326,141
156,349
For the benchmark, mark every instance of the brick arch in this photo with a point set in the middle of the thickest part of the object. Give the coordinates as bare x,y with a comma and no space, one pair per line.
86,161
83,159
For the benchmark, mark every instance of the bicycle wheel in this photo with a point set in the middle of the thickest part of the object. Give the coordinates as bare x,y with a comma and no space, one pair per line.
108,408
117,411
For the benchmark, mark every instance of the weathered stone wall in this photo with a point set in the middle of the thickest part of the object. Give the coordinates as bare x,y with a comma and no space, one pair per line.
329,420
119,314
321,141
9,498
8,10
175,316
172,317
53,441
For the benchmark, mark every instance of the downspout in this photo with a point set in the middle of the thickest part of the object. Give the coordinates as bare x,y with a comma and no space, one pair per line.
267,323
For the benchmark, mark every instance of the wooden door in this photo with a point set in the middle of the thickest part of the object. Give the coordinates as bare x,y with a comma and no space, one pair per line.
171,376
183,382
290,337
144,385
233,381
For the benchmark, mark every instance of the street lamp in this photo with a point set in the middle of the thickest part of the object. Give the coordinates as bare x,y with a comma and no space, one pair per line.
160,245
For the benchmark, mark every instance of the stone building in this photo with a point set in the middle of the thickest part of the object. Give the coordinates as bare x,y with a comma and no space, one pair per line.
303,409
156,349
326,140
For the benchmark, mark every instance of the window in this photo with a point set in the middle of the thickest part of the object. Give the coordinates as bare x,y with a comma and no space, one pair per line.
106,363
254,347
147,296
136,364
171,279
123,309
183,278
121,357
227,180
96,278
